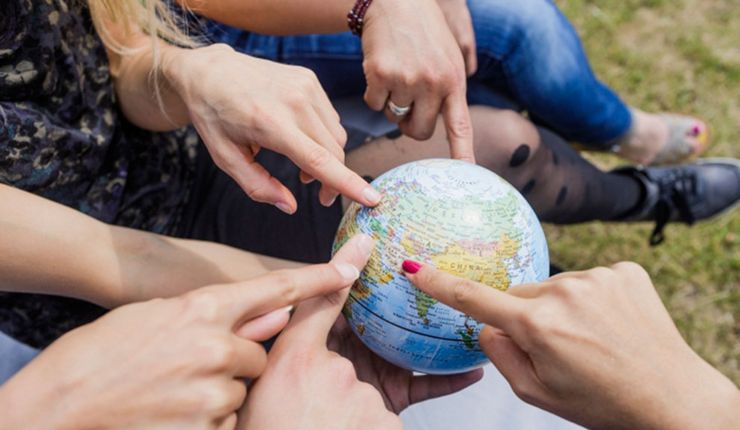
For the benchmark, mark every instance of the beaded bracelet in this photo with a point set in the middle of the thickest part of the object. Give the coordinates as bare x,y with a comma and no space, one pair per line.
356,17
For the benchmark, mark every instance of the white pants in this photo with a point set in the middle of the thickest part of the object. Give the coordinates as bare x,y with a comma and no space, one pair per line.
487,405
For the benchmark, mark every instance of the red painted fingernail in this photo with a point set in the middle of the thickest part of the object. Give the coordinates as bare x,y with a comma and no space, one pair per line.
411,266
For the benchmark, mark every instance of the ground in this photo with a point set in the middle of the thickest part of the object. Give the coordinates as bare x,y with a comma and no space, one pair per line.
684,56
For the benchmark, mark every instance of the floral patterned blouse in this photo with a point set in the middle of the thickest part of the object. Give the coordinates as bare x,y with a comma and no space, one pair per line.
63,137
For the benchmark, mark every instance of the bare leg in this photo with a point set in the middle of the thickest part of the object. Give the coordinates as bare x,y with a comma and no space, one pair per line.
561,185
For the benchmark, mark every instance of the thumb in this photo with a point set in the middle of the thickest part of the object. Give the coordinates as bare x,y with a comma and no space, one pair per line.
513,363
266,326
314,318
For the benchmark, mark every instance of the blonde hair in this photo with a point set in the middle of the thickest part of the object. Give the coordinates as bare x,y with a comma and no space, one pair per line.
117,19
153,17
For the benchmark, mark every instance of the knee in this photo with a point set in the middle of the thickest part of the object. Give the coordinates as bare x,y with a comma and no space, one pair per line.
520,18
498,133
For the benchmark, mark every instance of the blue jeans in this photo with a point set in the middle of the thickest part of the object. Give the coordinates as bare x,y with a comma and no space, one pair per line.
13,356
528,53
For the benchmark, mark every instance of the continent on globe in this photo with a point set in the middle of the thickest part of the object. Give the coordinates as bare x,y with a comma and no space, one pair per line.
458,217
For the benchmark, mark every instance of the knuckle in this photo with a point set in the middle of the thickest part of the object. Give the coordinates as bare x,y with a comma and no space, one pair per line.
227,164
566,289
630,269
341,136
538,320
202,305
460,128
289,289
378,70
525,390
217,400
369,393
464,292
259,191
432,78
295,100
309,76
599,273
424,130
344,371
222,355
317,157
409,79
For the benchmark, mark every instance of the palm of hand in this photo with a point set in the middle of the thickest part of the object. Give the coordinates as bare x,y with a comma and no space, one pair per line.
399,387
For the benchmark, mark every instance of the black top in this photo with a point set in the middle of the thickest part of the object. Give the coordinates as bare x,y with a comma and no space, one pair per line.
63,137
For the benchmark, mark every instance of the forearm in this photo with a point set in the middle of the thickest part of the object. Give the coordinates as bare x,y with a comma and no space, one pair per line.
57,250
685,393
160,266
702,397
49,248
277,16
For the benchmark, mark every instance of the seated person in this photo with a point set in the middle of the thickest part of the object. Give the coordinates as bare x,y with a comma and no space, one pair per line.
179,362
523,55
86,143
166,348
596,347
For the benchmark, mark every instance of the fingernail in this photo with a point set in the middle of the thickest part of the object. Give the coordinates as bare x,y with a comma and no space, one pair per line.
371,195
348,271
285,310
284,207
365,244
410,266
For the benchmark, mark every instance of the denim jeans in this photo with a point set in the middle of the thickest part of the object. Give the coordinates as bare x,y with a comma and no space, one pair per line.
13,356
528,53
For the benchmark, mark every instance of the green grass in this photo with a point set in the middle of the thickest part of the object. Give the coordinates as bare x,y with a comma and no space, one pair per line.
683,56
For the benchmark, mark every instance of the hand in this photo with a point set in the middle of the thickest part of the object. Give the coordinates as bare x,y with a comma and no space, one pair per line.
457,14
173,363
240,104
595,347
399,387
412,59
305,385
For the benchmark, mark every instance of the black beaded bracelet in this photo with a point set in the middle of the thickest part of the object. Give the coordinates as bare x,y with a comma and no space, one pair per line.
356,17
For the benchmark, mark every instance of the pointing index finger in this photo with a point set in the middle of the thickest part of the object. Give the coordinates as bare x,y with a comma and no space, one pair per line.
240,302
486,304
456,116
314,318
318,162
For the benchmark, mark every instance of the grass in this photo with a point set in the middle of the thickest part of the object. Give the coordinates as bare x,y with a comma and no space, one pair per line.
682,56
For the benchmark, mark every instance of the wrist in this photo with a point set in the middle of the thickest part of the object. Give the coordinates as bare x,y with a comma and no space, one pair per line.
696,395
377,9
28,402
710,400
182,68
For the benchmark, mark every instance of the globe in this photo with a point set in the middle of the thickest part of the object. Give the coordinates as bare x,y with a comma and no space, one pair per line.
458,217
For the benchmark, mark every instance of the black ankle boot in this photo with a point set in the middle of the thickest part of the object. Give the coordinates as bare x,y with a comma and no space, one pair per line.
686,193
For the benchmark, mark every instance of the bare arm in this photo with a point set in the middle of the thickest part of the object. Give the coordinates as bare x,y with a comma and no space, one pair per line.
277,17
138,83
410,56
51,249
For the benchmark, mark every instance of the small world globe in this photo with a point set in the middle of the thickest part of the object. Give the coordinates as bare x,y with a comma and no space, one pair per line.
458,217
